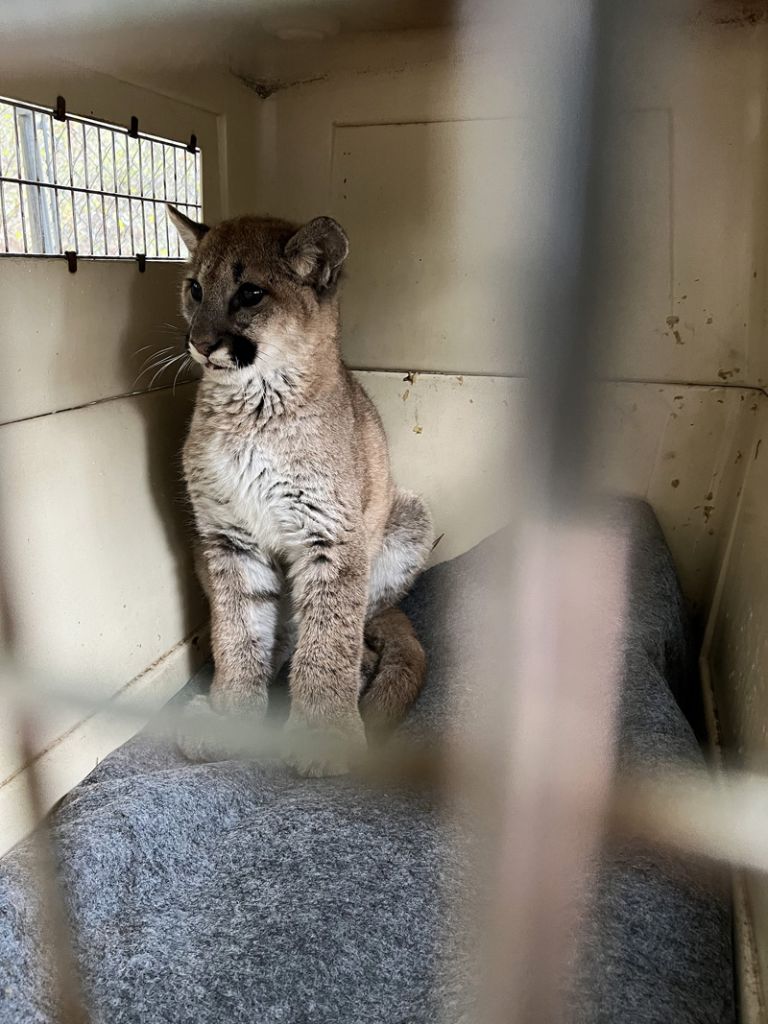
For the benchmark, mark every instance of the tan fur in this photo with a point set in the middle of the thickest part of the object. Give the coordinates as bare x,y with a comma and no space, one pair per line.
301,529
400,671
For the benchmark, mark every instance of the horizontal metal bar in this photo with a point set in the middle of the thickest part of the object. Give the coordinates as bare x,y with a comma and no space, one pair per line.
97,192
118,128
89,256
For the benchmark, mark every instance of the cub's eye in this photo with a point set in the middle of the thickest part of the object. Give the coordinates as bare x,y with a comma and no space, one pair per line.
196,291
250,294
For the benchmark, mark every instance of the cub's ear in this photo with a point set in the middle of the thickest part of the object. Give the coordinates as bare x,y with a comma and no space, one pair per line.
190,231
316,253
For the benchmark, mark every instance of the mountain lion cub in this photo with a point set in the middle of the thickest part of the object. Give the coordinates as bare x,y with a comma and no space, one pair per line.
304,542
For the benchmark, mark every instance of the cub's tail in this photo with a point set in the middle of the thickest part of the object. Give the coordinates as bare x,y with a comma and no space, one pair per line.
399,674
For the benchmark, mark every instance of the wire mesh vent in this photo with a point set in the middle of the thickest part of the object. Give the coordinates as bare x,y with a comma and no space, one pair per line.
96,189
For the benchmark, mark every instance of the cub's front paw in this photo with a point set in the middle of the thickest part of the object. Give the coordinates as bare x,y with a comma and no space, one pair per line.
205,735
320,749
228,698
199,735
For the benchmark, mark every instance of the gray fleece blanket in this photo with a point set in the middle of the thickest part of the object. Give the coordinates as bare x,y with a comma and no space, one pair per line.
234,892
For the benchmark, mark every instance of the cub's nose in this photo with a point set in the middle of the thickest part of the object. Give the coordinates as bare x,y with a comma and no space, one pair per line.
206,345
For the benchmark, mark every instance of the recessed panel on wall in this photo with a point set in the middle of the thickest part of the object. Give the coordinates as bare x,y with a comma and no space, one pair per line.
445,222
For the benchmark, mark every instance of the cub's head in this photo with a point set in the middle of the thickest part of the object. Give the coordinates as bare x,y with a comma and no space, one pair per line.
259,295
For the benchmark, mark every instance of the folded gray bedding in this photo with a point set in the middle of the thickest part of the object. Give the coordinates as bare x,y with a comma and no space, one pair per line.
235,892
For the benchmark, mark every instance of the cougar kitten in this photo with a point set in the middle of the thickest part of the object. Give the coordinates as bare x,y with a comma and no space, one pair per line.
304,541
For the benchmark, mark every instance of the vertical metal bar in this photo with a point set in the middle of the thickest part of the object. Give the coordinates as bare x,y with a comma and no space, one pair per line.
118,222
117,204
198,197
21,174
554,717
176,194
56,194
72,184
101,188
128,181
577,180
36,152
87,198
165,197
141,197
154,194
3,214
2,205
32,155
175,176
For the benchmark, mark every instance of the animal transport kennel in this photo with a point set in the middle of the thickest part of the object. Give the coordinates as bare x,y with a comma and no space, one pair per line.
556,298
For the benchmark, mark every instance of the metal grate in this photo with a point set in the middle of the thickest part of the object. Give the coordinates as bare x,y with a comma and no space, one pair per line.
71,184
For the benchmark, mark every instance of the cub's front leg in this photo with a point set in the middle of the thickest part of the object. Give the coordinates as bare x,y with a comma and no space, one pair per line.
330,594
243,588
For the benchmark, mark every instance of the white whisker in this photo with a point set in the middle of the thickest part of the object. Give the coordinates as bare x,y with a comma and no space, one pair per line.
148,369
180,370
158,352
164,366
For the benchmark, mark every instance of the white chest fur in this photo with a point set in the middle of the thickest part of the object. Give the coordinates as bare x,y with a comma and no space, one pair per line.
239,483
234,484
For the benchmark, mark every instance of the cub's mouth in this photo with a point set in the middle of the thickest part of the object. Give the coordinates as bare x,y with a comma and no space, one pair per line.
239,352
